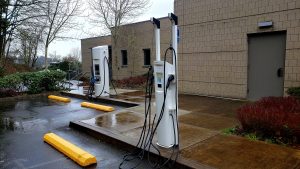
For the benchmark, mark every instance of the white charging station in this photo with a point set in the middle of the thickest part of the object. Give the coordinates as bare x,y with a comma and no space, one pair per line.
165,121
100,56
167,133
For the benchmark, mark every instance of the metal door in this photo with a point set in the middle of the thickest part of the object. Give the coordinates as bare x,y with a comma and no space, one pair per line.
266,64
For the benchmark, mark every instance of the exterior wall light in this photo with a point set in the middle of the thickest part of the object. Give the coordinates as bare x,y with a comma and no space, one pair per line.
265,24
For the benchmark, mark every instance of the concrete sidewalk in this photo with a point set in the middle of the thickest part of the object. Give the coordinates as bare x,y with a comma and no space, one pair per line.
202,144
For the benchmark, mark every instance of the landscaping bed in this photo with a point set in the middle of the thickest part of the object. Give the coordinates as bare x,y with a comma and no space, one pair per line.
272,119
137,82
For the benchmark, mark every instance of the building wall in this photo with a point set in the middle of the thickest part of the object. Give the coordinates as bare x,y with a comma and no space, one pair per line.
134,38
86,45
213,52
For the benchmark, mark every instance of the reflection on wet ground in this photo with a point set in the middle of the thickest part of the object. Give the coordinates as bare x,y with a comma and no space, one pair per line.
6,123
25,104
121,118
117,121
23,124
20,115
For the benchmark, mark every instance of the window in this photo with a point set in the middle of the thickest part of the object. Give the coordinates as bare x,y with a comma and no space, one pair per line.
124,57
147,57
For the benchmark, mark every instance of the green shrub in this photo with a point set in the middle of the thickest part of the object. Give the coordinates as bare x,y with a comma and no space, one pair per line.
36,82
33,82
294,91
50,80
11,82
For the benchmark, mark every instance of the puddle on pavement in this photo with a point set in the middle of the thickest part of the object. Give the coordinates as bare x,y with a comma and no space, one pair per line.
7,123
20,115
111,120
26,104
21,124
120,122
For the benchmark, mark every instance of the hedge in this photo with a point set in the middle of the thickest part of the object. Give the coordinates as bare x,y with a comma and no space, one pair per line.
272,117
36,82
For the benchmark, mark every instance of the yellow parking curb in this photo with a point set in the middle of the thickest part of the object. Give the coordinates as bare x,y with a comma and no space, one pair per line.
97,106
58,98
80,156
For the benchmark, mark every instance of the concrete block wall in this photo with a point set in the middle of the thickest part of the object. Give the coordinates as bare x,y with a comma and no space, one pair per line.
213,52
134,38
86,45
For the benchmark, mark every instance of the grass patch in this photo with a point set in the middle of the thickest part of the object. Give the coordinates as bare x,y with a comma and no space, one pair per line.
229,131
252,136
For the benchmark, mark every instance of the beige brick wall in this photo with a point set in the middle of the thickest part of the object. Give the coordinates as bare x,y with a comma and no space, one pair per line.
213,52
86,45
134,38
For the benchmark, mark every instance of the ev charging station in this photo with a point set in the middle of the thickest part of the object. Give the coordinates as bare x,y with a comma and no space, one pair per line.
100,56
165,121
166,90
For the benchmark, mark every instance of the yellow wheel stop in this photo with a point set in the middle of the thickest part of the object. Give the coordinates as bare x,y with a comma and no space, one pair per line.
58,98
80,156
97,106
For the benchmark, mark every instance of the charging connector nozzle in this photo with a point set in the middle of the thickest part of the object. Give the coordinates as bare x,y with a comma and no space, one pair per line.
170,79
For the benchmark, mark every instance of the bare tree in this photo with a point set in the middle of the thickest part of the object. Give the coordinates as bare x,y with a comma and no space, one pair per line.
29,40
13,13
114,13
27,44
60,15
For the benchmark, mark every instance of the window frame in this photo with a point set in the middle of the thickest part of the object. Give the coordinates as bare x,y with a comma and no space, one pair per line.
144,52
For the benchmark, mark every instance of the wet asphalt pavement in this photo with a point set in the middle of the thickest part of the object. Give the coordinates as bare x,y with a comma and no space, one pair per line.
23,124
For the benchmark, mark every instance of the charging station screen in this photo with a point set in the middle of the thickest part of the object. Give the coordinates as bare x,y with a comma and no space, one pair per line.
97,69
159,79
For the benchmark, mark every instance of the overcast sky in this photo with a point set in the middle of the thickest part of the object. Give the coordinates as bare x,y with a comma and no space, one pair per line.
159,8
